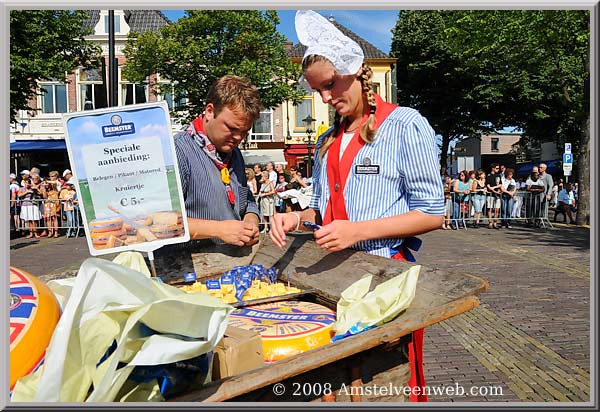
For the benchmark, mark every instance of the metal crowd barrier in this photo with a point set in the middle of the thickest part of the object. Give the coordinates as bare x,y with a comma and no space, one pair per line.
531,208
27,215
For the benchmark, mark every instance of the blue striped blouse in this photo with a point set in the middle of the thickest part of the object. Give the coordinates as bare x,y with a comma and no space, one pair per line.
204,193
406,152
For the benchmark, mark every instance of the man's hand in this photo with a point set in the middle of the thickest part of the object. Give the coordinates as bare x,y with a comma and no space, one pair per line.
251,224
237,233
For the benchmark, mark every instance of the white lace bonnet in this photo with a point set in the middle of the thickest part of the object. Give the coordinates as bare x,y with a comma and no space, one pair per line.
322,38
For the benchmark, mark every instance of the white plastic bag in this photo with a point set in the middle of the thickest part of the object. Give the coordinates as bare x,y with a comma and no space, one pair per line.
109,302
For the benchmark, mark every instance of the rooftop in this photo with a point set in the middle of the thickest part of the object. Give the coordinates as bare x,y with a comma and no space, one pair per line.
139,21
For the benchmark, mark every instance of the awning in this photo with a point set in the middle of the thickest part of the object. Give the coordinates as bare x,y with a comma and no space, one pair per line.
29,145
251,157
553,167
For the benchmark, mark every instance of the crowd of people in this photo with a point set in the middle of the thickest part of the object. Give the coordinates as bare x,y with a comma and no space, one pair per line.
44,206
499,197
267,184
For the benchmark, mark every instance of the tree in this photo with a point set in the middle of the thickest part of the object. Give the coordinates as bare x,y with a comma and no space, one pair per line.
497,68
433,78
542,60
44,45
207,44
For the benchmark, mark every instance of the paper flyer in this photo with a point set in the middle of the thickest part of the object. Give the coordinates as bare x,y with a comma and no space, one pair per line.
126,176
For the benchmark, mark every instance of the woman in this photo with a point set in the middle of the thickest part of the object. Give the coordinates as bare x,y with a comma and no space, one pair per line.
447,182
461,200
478,190
280,188
251,179
376,177
30,196
509,188
296,179
267,201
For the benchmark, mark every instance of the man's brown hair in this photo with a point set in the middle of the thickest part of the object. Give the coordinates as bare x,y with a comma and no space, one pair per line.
235,93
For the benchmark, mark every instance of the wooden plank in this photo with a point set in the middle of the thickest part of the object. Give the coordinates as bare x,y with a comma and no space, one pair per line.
258,378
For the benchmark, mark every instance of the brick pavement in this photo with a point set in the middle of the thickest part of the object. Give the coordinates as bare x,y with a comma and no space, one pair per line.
529,338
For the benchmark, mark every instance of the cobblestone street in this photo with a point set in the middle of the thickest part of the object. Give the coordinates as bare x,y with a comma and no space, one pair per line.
530,337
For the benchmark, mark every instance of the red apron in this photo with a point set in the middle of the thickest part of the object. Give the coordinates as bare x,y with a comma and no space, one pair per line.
337,175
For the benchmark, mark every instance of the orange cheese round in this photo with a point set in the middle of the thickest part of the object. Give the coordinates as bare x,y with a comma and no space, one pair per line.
106,224
287,328
101,238
166,231
34,313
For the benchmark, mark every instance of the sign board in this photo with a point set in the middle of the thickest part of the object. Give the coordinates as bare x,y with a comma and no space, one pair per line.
567,158
127,178
567,147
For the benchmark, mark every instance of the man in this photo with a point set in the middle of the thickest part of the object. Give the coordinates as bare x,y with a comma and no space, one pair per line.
257,174
272,173
548,183
66,176
493,183
535,187
502,171
220,207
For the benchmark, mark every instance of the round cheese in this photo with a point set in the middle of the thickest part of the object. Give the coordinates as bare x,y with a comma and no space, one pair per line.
34,313
166,231
167,218
101,238
106,224
287,328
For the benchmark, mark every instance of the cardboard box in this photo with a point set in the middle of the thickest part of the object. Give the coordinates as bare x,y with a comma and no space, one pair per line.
240,350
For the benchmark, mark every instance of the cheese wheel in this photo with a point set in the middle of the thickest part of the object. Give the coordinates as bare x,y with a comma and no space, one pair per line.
167,218
166,231
34,313
287,328
106,224
101,238
142,220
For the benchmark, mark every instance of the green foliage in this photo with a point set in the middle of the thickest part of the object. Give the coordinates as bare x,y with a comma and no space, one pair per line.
468,69
44,45
207,44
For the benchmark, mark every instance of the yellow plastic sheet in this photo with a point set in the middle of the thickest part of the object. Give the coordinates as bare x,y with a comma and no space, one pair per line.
109,302
361,309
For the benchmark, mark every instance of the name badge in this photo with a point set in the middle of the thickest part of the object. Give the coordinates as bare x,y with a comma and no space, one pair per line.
366,168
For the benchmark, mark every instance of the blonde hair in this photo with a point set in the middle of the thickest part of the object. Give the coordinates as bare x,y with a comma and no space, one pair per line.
251,173
369,129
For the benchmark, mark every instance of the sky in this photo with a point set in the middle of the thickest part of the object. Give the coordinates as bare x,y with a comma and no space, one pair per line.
372,25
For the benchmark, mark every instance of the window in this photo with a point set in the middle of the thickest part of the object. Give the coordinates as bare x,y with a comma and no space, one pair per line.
54,97
377,87
262,129
495,144
92,90
180,104
303,109
134,93
117,24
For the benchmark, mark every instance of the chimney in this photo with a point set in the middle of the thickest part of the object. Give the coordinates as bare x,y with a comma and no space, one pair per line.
288,46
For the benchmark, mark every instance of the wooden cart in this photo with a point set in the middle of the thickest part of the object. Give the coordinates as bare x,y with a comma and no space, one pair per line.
374,358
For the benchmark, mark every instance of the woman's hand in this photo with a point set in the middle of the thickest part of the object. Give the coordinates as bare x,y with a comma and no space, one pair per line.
281,224
338,235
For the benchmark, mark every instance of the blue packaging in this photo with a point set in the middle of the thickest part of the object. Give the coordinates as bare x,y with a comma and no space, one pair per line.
189,277
213,284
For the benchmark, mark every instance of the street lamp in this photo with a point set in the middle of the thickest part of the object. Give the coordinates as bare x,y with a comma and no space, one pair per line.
309,122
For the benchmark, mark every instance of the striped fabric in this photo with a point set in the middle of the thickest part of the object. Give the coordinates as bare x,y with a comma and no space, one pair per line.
406,151
204,192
